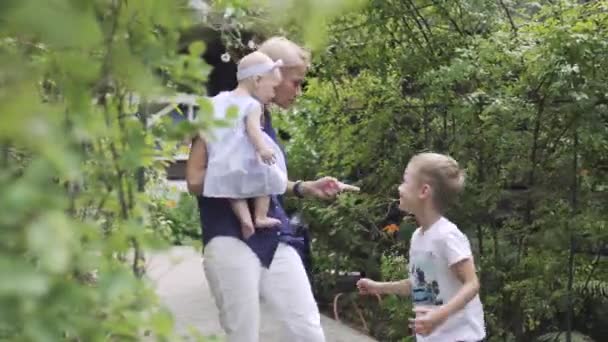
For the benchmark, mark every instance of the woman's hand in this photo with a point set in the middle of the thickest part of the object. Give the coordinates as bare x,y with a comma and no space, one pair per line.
326,188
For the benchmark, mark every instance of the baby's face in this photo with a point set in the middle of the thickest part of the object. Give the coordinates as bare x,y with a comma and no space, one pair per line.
265,85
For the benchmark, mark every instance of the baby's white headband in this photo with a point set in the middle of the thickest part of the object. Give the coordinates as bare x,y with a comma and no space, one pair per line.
257,69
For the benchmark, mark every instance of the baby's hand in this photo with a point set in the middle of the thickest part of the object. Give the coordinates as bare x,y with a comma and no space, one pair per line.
267,155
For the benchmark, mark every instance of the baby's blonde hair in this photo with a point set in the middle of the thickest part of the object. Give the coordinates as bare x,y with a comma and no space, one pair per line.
255,58
443,174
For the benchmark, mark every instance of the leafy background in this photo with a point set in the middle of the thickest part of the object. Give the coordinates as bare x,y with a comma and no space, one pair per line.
79,81
516,92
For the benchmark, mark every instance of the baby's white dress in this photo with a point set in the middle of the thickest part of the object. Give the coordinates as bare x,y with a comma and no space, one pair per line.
235,169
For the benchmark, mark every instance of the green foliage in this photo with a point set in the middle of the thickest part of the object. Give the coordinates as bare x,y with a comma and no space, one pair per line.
516,92
177,218
77,148
593,288
561,337
397,309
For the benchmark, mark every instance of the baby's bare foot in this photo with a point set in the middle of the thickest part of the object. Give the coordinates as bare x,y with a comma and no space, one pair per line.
247,231
266,222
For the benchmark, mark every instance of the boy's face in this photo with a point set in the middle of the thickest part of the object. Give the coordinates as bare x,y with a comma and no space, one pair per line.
412,192
265,85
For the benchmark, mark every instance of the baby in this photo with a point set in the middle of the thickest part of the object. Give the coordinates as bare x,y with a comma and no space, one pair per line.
244,162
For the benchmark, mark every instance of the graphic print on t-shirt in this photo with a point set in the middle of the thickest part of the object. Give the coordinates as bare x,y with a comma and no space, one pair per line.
425,288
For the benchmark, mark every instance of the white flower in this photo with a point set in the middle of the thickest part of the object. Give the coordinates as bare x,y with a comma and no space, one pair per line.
229,12
251,44
225,57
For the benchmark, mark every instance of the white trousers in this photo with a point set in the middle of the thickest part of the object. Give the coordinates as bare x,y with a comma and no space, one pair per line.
237,279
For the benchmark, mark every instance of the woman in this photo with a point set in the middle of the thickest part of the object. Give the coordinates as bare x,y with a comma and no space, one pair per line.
267,264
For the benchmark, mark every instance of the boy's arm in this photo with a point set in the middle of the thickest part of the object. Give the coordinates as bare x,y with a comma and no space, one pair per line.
401,287
455,247
465,271
457,250
429,318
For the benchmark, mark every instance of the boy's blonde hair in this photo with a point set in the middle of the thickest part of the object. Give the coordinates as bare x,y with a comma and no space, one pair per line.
443,174
284,49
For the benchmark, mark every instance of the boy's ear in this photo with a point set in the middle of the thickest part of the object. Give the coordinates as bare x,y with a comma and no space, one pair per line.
425,191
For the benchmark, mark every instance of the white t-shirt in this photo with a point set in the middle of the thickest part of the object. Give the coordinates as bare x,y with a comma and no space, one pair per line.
434,283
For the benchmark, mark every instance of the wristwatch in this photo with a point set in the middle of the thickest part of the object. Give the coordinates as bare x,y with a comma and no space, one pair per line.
296,189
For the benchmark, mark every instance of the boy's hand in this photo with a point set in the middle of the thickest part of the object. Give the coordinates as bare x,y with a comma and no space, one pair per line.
368,287
267,155
427,319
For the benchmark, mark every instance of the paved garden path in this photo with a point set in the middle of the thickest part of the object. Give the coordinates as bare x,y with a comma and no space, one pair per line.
179,280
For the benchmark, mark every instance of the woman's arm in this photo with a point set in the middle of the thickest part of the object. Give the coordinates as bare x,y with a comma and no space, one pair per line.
196,166
322,188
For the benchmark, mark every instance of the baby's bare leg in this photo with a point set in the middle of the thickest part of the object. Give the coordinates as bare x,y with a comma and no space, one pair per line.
261,213
241,210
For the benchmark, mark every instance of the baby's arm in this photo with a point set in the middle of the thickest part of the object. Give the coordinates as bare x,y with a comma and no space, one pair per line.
256,135
254,128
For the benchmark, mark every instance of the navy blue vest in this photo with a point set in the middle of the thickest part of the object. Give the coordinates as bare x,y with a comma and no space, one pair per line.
218,219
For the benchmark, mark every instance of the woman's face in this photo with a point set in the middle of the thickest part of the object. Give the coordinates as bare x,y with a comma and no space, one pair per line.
290,86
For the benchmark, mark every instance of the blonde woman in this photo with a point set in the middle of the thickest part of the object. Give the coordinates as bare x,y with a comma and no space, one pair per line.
267,264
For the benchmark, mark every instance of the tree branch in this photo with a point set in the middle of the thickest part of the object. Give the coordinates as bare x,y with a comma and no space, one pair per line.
446,13
506,9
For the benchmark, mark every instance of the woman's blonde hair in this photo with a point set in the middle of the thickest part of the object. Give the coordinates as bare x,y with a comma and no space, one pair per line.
284,49
443,174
